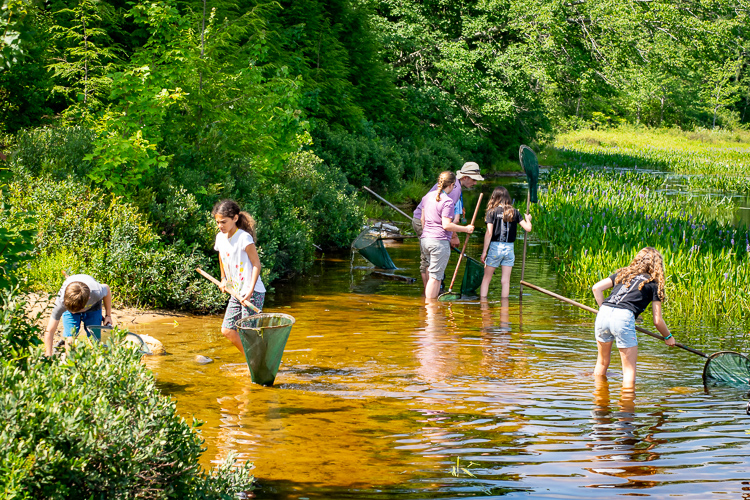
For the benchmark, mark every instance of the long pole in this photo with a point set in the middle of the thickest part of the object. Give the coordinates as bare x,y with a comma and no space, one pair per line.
376,195
233,294
591,309
525,241
466,241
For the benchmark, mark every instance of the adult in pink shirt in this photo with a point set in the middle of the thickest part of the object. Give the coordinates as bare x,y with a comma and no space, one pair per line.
466,178
438,211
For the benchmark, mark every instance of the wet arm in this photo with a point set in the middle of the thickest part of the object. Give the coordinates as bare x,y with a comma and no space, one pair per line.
599,288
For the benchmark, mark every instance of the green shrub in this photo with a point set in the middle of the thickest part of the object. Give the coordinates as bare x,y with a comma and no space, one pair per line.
82,230
58,151
96,426
17,331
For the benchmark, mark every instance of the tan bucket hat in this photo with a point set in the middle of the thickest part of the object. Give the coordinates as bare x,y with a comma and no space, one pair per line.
470,169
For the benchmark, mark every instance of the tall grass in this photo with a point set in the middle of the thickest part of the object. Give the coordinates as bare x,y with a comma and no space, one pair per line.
595,221
717,160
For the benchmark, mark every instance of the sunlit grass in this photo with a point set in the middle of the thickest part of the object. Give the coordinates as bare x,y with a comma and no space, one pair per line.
718,160
595,221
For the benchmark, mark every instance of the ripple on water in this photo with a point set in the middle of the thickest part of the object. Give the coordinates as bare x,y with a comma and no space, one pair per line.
378,396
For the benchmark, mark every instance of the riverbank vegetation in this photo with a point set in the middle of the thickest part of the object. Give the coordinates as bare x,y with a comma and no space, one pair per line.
718,160
91,424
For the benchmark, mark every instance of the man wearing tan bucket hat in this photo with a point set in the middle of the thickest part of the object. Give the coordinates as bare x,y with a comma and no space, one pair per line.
466,178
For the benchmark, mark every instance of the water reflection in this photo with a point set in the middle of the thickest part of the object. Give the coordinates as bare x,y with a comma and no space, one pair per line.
379,394
613,431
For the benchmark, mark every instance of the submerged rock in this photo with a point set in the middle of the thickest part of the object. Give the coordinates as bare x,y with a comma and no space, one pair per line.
203,360
157,348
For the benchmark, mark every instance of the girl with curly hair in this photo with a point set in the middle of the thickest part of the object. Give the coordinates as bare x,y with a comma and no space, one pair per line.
635,287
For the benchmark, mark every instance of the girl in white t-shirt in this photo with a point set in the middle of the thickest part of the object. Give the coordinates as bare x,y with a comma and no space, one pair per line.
240,265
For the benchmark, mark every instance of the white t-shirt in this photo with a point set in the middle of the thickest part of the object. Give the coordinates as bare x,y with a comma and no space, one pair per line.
237,266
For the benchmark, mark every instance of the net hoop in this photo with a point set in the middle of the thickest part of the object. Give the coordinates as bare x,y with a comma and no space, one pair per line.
737,377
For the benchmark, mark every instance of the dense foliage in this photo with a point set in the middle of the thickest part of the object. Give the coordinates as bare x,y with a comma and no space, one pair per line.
96,425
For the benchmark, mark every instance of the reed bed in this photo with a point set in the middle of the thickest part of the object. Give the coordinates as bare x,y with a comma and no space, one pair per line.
595,220
715,161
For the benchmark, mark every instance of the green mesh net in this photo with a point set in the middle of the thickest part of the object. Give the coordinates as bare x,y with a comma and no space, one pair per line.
371,247
531,167
473,274
263,338
727,368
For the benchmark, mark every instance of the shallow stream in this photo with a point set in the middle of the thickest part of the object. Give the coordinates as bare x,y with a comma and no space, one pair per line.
381,396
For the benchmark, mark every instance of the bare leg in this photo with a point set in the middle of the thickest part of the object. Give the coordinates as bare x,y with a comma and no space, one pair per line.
505,280
425,277
485,288
603,358
234,338
629,356
432,290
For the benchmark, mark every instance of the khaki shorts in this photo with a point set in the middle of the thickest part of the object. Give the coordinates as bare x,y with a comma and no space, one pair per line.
424,263
437,253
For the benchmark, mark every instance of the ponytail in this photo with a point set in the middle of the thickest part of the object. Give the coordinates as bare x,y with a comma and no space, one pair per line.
246,222
446,179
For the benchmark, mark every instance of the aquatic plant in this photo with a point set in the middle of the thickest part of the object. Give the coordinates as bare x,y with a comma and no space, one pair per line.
705,255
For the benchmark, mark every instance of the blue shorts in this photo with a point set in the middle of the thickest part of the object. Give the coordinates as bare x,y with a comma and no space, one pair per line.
236,311
616,324
500,253
72,322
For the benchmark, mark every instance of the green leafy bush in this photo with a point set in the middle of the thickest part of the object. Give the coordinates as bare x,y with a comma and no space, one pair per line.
82,230
96,426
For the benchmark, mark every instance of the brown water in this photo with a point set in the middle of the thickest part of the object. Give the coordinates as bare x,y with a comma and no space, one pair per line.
378,396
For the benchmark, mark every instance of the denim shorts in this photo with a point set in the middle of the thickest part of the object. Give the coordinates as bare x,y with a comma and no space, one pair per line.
236,311
437,253
500,253
616,324
72,322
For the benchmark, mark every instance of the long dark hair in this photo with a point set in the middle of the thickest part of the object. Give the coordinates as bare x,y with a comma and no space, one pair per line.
501,198
230,208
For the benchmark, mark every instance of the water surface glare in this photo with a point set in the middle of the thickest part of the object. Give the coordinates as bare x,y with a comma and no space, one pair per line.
379,396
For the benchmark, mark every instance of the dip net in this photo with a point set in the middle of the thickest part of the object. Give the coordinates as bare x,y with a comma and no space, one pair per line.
473,275
370,246
727,368
103,334
263,338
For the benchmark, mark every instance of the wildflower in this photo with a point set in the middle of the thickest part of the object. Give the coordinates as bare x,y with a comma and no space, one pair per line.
732,241
726,276
605,229
747,248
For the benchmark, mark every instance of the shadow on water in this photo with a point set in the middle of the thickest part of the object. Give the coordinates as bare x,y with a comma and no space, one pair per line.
379,395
